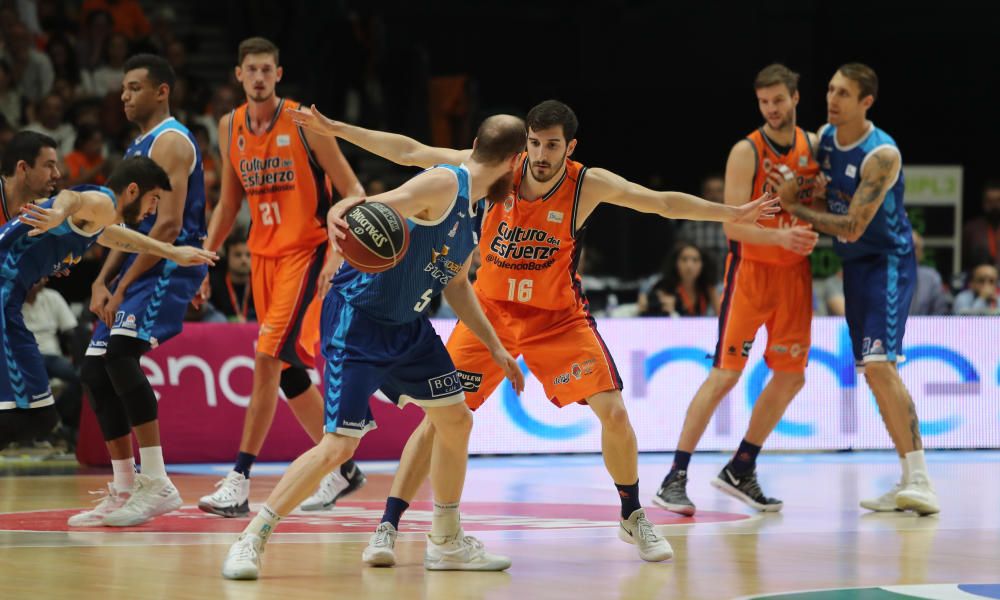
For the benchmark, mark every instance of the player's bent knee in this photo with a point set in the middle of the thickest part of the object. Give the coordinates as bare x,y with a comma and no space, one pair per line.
107,407
724,379
791,379
129,380
294,382
880,371
450,419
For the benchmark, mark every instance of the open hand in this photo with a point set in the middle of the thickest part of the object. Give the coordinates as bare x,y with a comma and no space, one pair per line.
760,209
336,225
189,256
41,219
510,368
800,240
312,120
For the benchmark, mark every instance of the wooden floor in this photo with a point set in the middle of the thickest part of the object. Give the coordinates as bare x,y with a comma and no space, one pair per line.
555,516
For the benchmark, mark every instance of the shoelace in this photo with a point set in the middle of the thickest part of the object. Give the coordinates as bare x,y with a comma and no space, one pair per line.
103,495
228,492
382,536
245,550
646,531
753,488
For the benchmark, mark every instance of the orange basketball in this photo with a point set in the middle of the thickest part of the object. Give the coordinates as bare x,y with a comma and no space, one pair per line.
377,237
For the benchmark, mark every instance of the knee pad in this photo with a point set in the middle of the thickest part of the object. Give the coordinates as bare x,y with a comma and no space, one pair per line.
295,382
128,379
103,399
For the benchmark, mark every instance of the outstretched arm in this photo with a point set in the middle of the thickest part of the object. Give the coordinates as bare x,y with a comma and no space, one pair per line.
601,185
127,240
393,147
739,187
877,176
336,167
89,210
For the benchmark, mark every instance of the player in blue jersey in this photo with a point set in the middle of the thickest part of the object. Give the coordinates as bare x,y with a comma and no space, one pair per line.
376,335
48,238
862,169
141,302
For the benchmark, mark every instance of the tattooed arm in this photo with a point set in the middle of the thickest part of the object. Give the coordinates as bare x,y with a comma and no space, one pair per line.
877,176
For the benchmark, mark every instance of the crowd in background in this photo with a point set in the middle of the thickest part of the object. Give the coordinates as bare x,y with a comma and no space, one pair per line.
60,75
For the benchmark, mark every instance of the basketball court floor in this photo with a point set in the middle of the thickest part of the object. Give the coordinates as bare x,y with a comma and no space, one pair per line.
557,518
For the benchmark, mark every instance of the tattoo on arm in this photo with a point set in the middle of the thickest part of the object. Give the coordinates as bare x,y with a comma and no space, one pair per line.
865,203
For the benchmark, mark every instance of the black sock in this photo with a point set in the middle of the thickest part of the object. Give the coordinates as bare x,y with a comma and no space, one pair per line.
681,461
394,508
348,469
629,495
745,459
244,462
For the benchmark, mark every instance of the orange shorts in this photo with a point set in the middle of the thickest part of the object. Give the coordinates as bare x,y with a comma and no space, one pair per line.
288,309
779,297
561,348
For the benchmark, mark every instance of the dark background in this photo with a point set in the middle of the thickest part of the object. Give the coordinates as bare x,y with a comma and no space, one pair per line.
662,89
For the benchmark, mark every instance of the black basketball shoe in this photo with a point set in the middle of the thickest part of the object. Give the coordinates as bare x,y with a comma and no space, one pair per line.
746,489
672,494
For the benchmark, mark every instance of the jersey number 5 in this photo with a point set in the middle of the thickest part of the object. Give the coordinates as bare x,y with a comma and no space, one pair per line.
425,299
269,213
521,288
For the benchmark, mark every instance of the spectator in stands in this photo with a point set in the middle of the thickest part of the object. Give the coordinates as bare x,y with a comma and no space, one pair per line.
6,134
224,99
50,115
162,28
828,296
106,78
65,67
127,16
54,20
87,163
708,235
981,236
231,289
687,279
97,27
210,163
981,297
32,69
47,315
11,102
930,297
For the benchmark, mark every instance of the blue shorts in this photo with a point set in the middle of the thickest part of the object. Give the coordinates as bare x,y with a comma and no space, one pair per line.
878,290
154,305
408,362
23,380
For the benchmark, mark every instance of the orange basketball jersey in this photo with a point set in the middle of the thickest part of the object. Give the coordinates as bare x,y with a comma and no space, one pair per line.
286,187
799,159
529,248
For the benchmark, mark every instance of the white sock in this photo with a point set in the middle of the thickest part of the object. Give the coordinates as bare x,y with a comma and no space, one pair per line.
905,478
263,524
124,470
916,463
151,459
445,523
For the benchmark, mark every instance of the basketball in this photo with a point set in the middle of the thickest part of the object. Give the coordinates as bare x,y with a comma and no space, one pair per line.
377,237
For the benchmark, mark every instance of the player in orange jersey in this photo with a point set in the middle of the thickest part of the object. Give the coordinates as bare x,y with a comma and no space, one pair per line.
282,171
30,170
768,283
529,288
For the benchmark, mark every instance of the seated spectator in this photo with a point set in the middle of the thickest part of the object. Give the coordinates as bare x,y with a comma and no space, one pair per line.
708,235
209,161
97,27
62,55
232,291
828,296
127,16
930,297
86,163
47,315
31,69
981,297
224,99
50,115
980,235
11,102
107,76
686,284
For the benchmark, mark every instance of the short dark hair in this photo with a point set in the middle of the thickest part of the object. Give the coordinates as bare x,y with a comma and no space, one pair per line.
158,70
991,184
140,170
25,145
864,76
237,237
256,45
551,113
777,74
83,134
499,137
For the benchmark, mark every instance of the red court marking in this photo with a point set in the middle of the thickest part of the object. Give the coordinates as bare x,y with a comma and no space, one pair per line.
353,517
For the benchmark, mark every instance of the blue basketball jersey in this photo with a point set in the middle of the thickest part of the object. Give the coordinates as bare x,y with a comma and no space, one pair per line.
889,231
25,260
436,254
193,228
